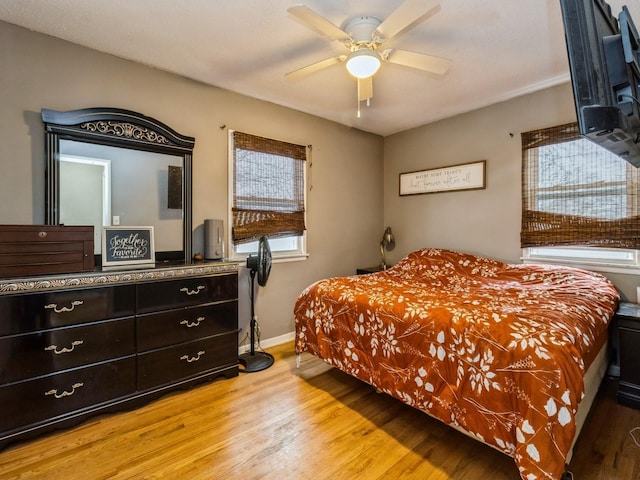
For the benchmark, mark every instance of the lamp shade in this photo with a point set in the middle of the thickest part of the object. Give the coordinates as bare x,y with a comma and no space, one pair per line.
388,240
363,63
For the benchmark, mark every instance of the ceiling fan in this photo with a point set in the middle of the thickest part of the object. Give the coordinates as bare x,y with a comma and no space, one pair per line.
364,38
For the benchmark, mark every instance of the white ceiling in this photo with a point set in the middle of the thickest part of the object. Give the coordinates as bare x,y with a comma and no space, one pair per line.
500,49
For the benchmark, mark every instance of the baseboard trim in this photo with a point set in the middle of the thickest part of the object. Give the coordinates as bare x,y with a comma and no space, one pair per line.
270,342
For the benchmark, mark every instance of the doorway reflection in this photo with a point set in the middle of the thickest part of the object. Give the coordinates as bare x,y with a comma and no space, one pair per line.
108,186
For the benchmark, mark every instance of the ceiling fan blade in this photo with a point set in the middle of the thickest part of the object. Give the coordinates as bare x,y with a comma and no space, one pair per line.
406,16
365,88
318,23
428,63
314,67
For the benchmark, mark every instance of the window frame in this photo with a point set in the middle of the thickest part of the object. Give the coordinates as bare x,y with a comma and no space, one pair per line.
597,258
289,255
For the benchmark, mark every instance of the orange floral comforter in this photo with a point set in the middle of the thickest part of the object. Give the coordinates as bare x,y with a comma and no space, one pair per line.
496,349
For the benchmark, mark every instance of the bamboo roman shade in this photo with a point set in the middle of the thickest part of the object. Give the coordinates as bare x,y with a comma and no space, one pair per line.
576,193
268,188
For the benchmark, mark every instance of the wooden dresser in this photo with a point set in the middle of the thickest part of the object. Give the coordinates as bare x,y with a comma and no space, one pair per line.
628,329
72,346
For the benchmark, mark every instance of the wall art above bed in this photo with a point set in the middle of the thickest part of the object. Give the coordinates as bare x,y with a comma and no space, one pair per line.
466,176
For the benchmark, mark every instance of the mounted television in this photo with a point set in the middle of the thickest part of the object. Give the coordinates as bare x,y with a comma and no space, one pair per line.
604,60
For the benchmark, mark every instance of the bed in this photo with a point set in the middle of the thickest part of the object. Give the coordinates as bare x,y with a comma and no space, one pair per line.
510,354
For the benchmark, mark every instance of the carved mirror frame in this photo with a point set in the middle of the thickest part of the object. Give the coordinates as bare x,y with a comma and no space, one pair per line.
118,128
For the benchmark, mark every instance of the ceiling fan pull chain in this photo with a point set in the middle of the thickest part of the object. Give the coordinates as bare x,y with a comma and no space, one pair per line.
358,82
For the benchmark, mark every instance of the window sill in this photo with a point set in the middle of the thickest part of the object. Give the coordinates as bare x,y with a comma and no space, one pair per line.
278,258
593,266
289,258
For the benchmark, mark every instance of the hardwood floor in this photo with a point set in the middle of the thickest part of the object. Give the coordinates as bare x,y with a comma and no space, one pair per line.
308,423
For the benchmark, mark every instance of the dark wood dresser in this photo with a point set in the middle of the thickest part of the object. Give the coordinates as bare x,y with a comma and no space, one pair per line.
628,324
73,346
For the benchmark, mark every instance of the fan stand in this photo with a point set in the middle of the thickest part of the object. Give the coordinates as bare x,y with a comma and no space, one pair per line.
254,361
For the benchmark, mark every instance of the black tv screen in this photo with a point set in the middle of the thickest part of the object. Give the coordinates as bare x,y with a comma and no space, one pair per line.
604,63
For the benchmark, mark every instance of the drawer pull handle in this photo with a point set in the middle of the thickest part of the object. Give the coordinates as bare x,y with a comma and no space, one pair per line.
65,393
192,359
55,308
74,344
198,289
189,324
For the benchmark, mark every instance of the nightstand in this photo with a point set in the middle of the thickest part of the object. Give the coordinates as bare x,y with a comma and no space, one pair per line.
365,270
628,318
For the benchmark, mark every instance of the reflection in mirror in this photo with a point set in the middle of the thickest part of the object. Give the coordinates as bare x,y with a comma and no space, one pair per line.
85,193
103,185
108,166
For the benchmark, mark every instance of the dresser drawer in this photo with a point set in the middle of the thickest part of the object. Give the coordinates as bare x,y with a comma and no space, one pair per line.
33,354
156,330
47,397
176,363
30,312
155,296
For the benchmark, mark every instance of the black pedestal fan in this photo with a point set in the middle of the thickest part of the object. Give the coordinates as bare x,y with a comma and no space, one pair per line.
259,265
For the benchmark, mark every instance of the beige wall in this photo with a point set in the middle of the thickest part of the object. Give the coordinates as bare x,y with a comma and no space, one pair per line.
484,222
344,204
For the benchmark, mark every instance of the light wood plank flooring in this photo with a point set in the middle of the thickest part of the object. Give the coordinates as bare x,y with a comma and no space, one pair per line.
308,423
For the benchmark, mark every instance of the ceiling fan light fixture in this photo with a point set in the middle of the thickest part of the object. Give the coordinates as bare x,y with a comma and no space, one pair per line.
363,63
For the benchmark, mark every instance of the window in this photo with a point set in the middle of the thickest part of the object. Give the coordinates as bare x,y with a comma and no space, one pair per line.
267,188
576,196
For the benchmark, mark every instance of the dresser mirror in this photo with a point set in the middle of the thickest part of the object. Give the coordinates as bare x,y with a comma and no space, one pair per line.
114,167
